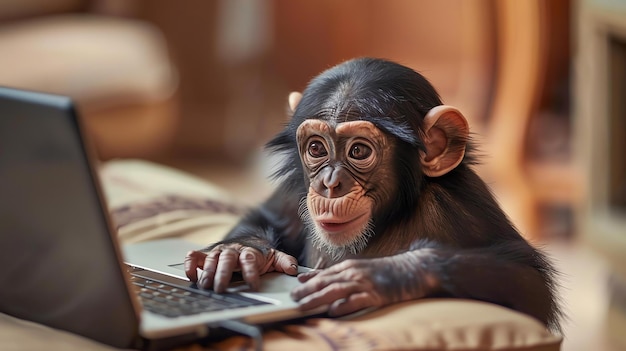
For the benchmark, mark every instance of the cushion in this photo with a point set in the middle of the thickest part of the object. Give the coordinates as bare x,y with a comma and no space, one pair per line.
428,324
97,60
149,201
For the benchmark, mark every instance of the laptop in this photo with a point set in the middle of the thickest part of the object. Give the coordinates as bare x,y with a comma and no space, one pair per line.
62,266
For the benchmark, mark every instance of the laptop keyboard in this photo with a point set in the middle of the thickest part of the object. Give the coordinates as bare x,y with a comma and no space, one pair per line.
175,301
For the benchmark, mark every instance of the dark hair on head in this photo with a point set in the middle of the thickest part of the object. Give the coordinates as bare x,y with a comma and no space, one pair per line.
393,97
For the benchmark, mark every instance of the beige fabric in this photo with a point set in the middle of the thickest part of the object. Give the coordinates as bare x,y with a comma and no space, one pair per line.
429,324
98,60
20,335
140,184
441,324
437,324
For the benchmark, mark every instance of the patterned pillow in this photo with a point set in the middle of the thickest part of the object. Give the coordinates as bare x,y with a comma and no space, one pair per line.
148,201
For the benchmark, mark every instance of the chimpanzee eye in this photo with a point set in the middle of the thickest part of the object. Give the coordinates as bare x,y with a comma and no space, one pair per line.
360,151
317,149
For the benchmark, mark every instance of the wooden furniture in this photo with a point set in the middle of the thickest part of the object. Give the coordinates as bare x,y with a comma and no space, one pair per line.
601,143
521,183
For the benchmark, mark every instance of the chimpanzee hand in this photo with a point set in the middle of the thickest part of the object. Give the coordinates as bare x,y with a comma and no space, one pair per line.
353,285
219,264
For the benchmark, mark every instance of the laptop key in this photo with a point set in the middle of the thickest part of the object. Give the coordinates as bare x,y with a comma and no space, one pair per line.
172,301
183,295
145,295
159,299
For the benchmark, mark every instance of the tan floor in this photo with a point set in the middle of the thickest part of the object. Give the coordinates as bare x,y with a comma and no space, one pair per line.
585,297
584,272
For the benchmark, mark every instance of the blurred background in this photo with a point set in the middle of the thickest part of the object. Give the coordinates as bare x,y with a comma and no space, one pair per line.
202,85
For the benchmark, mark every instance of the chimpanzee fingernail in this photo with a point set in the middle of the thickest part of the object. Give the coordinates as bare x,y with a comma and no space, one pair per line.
200,278
294,267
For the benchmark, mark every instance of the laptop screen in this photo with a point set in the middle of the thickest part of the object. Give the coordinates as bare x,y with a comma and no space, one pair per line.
58,263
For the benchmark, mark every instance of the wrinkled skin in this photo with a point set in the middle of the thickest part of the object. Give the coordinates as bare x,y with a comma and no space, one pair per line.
217,266
353,285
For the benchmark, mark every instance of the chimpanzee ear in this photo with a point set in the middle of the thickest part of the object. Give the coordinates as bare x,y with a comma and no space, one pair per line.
445,137
294,99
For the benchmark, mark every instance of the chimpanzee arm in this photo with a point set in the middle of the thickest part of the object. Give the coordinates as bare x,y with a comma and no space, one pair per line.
273,225
512,275
265,240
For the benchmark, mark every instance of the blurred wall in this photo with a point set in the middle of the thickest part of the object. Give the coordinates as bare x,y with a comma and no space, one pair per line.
227,87
239,59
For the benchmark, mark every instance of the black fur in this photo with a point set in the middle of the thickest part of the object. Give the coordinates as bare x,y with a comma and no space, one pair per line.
478,252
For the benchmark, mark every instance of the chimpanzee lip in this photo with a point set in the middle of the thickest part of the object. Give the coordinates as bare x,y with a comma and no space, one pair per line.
335,225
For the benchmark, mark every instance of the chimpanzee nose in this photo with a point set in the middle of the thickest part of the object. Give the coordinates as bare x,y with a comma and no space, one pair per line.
332,182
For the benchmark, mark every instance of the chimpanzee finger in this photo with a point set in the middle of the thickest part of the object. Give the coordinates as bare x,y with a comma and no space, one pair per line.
285,263
228,262
332,270
250,260
329,295
205,280
353,303
306,276
193,261
311,286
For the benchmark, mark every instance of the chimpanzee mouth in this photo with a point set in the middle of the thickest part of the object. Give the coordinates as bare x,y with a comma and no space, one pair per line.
333,226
